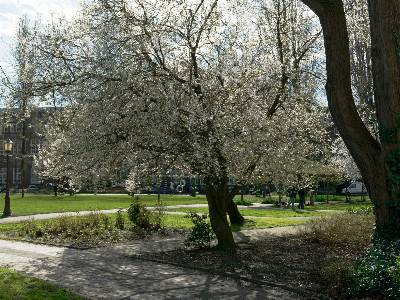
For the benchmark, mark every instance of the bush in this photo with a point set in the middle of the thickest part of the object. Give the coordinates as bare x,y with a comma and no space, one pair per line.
344,231
201,234
143,218
243,202
119,220
377,274
90,230
268,200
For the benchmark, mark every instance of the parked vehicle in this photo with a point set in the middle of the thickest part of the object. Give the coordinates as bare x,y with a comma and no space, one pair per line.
32,188
356,187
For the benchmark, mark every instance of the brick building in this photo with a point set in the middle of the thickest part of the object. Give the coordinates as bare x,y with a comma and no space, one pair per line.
11,128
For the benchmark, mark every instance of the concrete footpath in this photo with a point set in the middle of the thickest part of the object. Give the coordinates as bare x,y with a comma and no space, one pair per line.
110,273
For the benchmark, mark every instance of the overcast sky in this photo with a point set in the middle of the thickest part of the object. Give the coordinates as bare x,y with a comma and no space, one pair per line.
12,10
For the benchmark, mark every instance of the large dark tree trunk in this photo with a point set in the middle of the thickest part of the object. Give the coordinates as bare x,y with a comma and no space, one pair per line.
378,162
234,214
217,193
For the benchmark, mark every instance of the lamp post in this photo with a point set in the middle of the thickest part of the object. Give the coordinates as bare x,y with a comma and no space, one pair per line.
7,207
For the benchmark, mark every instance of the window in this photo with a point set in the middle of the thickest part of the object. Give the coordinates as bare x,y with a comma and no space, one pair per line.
18,175
352,186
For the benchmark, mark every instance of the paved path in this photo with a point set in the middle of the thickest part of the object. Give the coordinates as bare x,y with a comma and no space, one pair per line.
109,273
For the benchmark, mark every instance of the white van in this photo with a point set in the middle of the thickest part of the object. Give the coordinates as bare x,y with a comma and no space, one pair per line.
355,188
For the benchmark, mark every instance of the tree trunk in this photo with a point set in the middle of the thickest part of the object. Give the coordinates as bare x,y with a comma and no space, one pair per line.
378,162
235,217
23,155
216,194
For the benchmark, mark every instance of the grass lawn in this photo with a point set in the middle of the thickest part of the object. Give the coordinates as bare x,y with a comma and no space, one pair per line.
338,206
277,213
39,203
179,221
14,285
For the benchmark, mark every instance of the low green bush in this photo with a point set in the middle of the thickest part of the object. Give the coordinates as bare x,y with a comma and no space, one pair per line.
143,218
377,274
268,200
120,220
93,229
243,202
201,233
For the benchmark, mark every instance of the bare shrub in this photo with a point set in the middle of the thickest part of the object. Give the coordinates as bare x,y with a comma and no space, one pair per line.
348,231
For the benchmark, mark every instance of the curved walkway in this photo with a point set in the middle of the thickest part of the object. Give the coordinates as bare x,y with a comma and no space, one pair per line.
110,273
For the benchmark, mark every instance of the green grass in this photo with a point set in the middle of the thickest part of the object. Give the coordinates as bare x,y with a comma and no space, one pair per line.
14,285
37,203
338,206
259,223
179,221
254,212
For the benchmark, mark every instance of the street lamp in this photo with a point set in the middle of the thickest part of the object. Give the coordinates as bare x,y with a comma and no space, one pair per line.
7,207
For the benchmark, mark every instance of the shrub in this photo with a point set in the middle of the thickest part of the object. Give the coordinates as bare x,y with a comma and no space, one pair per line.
345,231
143,218
90,230
268,200
243,202
201,234
377,274
119,220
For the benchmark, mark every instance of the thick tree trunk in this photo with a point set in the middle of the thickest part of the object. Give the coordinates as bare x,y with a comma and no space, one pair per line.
235,217
378,162
216,194
385,35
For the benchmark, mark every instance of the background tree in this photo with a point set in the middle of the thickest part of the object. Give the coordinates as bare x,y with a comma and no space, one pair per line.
19,98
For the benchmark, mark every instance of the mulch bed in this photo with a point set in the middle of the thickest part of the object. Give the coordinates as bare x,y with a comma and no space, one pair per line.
288,262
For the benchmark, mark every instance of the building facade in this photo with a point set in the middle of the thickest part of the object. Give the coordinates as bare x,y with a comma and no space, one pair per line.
11,128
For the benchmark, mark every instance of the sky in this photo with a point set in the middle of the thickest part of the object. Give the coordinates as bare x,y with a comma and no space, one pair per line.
12,10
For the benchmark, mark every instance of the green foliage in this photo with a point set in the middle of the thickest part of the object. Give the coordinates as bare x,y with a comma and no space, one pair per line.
17,286
377,273
243,202
388,135
394,272
92,230
193,191
143,218
268,200
120,220
201,234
